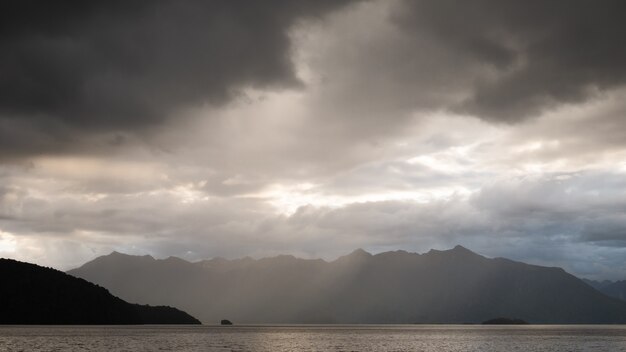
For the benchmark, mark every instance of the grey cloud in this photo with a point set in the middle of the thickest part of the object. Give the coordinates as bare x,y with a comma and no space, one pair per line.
571,220
583,134
72,67
582,207
371,75
502,61
77,76
544,53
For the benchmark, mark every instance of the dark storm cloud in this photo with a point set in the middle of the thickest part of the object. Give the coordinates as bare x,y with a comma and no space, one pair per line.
74,66
543,52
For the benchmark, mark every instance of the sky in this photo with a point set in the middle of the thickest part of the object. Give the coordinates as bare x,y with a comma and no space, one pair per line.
200,129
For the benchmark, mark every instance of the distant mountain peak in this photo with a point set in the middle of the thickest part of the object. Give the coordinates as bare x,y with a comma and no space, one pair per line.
457,251
116,254
460,249
120,254
360,253
175,259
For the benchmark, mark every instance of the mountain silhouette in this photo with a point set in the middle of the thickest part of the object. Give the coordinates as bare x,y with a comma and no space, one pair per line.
31,294
615,289
450,286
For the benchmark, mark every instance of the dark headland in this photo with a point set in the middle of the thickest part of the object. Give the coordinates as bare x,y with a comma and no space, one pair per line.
31,294
615,289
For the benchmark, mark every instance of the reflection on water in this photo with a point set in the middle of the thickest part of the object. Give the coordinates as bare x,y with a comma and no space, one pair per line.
314,338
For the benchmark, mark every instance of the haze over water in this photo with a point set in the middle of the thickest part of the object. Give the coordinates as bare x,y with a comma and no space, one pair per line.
359,338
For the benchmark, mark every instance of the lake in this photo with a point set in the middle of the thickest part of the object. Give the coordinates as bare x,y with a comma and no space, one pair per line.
315,338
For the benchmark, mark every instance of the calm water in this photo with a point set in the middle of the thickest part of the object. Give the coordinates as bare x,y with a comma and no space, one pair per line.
314,338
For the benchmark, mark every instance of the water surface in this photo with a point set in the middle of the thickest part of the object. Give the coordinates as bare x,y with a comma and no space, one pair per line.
315,338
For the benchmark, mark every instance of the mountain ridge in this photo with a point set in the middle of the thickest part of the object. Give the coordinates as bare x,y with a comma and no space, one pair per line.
440,286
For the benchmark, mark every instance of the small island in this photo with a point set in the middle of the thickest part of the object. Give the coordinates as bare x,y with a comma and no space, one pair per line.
226,322
504,321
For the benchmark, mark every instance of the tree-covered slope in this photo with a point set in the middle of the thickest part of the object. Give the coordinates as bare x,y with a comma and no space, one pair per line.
31,294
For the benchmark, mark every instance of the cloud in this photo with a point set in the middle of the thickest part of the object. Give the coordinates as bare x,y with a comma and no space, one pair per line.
72,67
502,61
98,77
543,54
573,220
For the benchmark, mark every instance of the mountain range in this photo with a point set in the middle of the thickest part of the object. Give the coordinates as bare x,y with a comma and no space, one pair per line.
450,286
31,294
